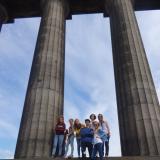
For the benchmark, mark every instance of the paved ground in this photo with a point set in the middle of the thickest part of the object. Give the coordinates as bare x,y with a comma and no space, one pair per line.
109,158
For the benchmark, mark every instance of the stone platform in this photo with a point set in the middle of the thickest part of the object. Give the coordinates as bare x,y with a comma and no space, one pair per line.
109,158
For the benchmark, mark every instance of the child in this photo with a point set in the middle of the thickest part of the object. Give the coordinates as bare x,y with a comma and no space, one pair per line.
59,136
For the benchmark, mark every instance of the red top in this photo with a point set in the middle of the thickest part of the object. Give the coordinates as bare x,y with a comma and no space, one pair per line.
60,128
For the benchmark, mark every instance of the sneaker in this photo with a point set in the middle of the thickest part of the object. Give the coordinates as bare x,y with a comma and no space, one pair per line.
53,156
65,156
70,156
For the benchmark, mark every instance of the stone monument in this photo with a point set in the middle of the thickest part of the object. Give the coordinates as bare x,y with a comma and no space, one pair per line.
137,102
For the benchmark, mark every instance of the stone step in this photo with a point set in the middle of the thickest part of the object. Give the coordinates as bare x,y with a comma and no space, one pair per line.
109,158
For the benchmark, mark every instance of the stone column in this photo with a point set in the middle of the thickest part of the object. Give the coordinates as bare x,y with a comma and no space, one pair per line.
3,15
45,93
138,106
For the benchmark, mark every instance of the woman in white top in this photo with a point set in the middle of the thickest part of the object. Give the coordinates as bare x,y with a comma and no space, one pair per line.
105,127
97,142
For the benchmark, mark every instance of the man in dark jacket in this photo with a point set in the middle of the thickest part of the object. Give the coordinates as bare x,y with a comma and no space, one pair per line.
86,134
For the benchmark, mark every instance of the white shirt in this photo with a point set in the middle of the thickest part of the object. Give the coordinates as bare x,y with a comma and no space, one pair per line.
97,139
104,126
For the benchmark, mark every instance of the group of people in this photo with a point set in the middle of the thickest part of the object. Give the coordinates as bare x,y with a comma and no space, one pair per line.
93,135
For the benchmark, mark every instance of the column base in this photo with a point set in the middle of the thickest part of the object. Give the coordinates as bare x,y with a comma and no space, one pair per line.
108,158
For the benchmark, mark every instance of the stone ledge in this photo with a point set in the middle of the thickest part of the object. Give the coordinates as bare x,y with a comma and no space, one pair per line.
109,158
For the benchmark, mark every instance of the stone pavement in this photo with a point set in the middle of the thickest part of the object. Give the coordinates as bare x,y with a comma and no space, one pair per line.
109,158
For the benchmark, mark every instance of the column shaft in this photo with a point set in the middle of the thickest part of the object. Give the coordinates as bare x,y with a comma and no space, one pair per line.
138,106
45,93
3,15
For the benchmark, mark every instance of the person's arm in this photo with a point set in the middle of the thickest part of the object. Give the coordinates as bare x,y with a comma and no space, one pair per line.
64,126
72,132
66,135
66,131
92,132
81,133
107,126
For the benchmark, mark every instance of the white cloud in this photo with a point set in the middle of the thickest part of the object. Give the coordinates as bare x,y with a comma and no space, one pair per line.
6,154
71,110
17,47
149,26
8,130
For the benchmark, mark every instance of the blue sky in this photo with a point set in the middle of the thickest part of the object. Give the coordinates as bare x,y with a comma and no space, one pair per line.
89,78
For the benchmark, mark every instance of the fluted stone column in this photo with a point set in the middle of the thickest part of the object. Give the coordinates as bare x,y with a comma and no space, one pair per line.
3,15
45,93
138,106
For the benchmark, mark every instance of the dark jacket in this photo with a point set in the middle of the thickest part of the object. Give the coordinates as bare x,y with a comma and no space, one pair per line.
86,134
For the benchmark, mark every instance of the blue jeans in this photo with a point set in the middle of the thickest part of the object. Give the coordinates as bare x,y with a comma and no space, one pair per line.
97,148
78,146
70,141
106,146
58,140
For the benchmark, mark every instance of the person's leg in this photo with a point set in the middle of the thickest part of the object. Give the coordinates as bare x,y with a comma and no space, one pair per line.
100,150
78,146
63,146
103,147
67,147
61,137
55,145
72,145
90,148
94,152
83,148
106,148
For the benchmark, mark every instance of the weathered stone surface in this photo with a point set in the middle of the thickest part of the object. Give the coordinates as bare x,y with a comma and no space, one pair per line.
45,93
31,8
3,15
138,106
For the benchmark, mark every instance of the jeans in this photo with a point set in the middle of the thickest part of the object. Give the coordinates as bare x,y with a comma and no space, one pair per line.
78,146
97,148
70,141
106,144
58,140
85,145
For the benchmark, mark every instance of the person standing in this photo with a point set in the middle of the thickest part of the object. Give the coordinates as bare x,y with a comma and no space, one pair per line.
77,128
105,127
99,136
92,118
86,134
70,139
59,136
